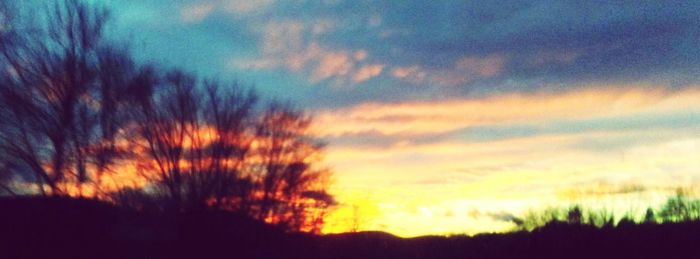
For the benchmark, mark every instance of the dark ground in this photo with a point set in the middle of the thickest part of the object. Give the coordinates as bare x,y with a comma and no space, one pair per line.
68,228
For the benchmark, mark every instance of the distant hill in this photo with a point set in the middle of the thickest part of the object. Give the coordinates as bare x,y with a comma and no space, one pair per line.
71,228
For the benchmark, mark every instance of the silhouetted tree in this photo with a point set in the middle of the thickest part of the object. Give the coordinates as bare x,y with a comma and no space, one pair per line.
626,221
292,190
649,216
574,215
205,145
164,125
228,115
62,92
600,217
355,218
198,137
534,219
680,208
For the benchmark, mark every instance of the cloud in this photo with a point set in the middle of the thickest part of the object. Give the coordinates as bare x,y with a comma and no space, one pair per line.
196,12
242,7
522,41
293,45
539,169
360,55
474,168
467,69
464,70
322,26
610,40
425,47
332,64
435,117
367,71
413,73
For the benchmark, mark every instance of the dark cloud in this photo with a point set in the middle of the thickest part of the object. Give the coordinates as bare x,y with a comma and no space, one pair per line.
543,45
554,41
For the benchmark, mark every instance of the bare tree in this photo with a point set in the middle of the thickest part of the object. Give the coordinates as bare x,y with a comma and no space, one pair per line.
62,90
228,114
198,138
206,147
291,189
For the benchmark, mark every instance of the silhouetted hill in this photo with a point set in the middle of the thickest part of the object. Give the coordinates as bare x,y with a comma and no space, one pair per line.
75,228
70,228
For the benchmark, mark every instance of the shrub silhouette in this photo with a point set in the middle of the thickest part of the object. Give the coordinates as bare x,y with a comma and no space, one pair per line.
680,208
649,216
574,215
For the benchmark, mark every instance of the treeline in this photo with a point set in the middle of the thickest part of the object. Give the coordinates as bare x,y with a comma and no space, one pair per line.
81,118
677,208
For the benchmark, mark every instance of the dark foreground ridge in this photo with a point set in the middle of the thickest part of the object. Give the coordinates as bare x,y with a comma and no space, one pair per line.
70,228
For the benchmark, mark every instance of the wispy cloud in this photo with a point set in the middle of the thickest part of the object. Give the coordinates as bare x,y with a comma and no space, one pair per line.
464,70
243,7
293,45
538,170
196,12
433,117
367,71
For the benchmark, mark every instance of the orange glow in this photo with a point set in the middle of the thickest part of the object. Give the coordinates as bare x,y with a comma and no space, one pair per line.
414,118
454,185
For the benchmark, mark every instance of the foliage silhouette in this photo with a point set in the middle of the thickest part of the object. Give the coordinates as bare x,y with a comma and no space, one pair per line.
677,208
680,208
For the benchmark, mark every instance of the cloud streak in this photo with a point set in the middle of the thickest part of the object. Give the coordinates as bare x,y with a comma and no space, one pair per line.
293,45
196,12
435,117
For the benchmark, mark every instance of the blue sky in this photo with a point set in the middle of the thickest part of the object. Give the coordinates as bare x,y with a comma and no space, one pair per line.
437,111
416,49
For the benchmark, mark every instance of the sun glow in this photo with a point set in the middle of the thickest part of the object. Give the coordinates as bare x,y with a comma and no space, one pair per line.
530,151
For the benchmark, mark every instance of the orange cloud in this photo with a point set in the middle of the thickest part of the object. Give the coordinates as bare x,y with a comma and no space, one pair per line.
332,64
293,45
368,71
432,117
464,70
412,73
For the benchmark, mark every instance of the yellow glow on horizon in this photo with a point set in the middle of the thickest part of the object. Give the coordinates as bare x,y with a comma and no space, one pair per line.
455,185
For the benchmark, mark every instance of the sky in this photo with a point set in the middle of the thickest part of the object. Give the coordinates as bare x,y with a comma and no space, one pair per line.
447,117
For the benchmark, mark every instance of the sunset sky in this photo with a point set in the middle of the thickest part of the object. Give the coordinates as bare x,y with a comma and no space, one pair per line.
453,116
